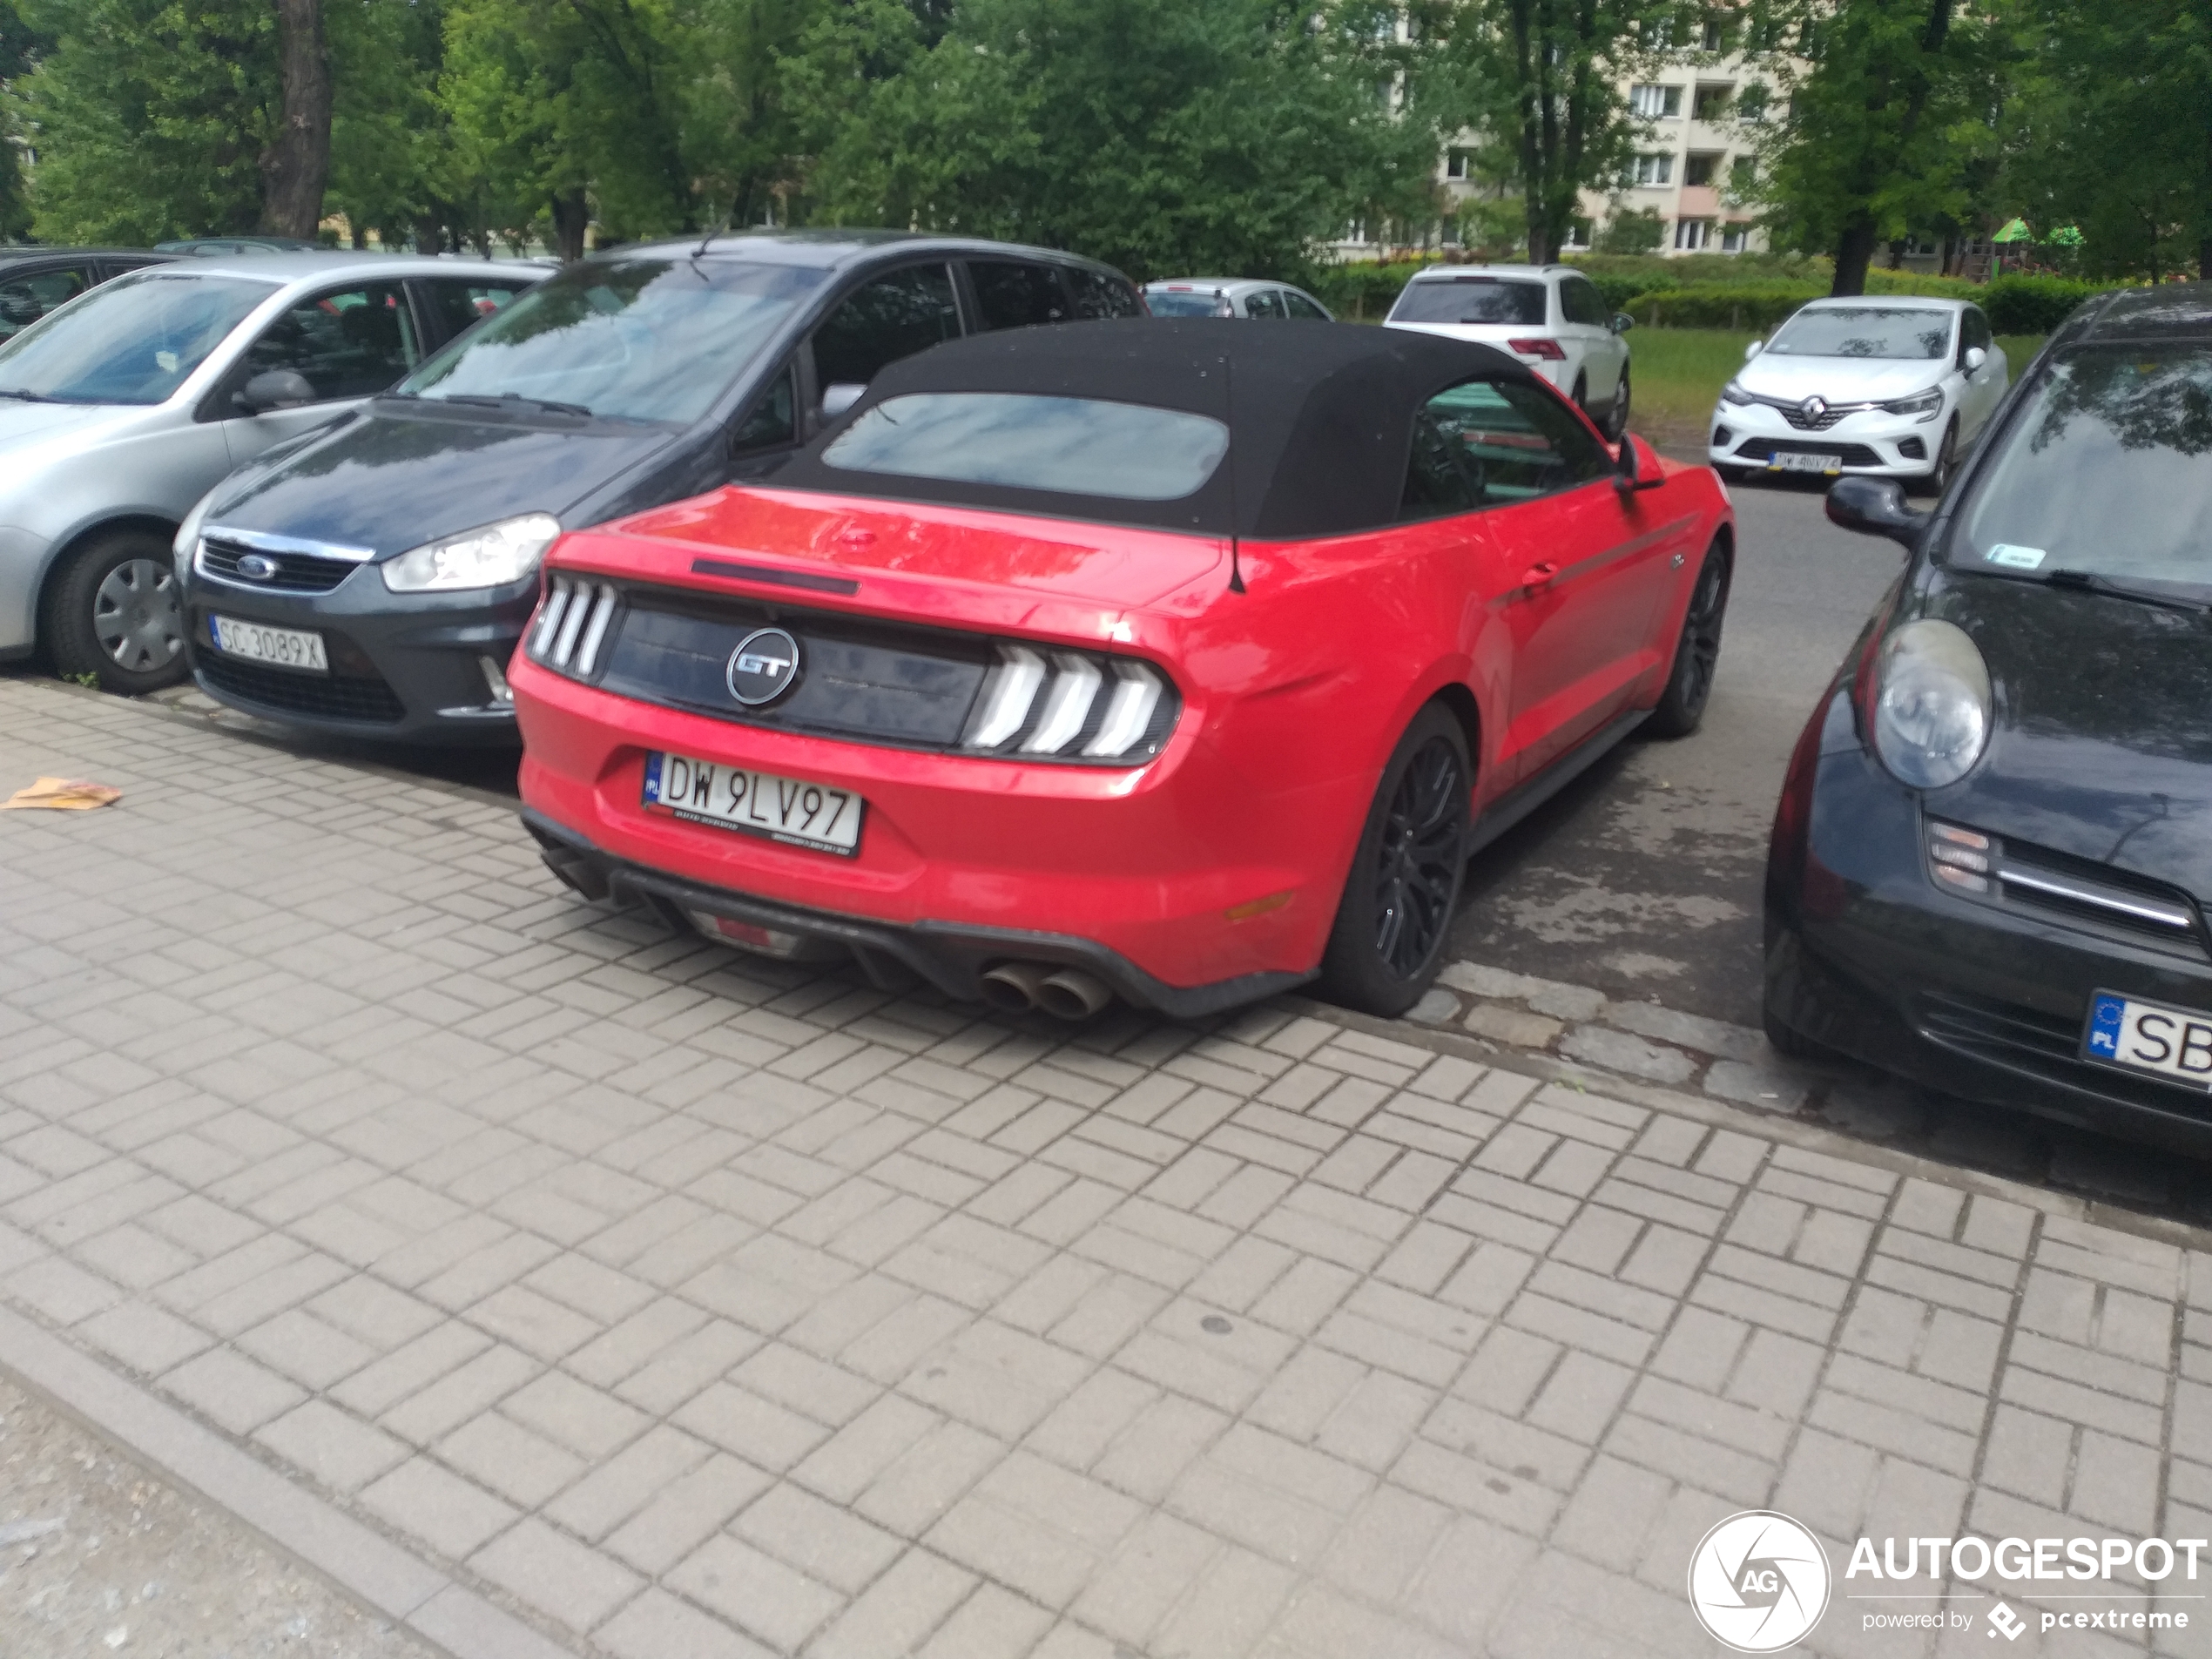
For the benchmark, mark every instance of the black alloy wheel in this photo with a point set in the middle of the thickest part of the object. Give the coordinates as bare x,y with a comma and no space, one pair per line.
1697,653
1582,393
1937,477
1398,897
1617,421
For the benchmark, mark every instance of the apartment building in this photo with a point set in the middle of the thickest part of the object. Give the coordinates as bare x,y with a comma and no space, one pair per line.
1700,110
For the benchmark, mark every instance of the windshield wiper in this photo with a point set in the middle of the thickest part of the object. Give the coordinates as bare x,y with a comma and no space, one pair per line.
28,397
2092,582
506,400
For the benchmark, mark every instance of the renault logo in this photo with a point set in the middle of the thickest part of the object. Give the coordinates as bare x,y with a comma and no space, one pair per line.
763,666
256,567
1813,408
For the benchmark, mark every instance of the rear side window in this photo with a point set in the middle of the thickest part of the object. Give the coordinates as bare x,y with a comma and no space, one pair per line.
1184,302
1511,442
1471,300
462,305
1266,302
895,315
1075,446
354,343
1101,294
1303,309
24,300
1012,294
1579,302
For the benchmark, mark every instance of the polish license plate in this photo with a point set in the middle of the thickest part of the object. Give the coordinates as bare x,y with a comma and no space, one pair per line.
284,647
1789,460
790,810
2154,1037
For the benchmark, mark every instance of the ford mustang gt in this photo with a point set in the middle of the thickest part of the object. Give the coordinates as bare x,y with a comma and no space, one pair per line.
1156,660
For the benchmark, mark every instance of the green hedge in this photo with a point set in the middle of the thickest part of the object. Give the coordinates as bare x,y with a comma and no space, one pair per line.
1364,290
2033,305
1755,306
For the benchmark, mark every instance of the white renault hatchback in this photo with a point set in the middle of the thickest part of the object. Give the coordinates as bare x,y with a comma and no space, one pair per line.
122,409
1888,386
1550,316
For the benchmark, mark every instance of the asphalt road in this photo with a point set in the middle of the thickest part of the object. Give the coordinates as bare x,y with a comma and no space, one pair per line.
1642,877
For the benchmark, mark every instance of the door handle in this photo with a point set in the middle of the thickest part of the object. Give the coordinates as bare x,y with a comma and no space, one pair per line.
1537,575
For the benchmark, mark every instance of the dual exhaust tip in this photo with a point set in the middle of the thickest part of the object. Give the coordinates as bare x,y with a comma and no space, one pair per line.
1064,993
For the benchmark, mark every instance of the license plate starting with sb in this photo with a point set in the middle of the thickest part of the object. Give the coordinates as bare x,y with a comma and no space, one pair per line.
790,810
2154,1037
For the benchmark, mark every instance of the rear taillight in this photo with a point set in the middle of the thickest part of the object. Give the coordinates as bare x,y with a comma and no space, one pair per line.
1036,701
572,625
1546,349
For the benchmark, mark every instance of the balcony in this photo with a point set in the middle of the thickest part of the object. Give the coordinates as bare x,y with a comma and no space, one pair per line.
1698,201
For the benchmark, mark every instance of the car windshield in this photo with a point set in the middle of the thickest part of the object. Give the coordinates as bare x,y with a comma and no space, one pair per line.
1471,299
630,340
2106,470
1189,302
1864,331
1075,446
133,340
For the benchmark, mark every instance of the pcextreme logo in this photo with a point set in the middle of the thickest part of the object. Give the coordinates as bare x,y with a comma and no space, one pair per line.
1758,1582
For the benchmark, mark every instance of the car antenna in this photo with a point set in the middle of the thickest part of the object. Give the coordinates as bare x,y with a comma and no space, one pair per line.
728,219
1229,400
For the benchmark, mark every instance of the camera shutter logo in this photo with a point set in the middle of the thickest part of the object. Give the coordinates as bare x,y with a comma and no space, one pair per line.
763,666
1758,1582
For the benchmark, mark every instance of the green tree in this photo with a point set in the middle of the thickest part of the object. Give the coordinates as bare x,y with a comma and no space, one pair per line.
1887,127
2113,132
20,47
1222,136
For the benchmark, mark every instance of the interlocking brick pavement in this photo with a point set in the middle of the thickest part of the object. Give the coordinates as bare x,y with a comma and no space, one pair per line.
687,1304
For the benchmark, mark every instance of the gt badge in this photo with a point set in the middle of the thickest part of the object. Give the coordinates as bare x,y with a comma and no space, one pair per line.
763,666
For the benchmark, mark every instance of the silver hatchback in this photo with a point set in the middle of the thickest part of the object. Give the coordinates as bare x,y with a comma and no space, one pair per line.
121,409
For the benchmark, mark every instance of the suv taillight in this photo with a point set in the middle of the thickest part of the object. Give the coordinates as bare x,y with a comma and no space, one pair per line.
1546,349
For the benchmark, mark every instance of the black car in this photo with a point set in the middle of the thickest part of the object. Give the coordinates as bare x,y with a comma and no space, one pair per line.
34,280
1992,859
374,579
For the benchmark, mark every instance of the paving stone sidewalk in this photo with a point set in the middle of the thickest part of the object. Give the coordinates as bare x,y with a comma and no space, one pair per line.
691,1306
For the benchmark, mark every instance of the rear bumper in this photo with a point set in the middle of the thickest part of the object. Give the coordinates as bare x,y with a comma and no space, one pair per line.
951,956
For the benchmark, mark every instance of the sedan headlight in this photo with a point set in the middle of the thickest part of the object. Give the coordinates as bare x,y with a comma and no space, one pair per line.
1932,703
1928,405
493,557
1734,394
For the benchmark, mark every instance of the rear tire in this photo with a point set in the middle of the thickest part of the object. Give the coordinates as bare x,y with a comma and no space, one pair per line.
112,611
1698,651
1582,393
1395,913
1616,421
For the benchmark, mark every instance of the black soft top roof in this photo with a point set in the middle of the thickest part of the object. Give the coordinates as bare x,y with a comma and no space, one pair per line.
1321,416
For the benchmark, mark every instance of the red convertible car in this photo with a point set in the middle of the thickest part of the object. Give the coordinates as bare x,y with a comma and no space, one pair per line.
1162,660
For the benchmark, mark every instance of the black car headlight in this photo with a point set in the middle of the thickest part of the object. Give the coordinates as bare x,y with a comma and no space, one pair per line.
1928,405
1932,703
1737,396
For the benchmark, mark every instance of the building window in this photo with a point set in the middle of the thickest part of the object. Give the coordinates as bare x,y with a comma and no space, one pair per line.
1735,238
1711,103
1455,165
1713,35
1656,103
1752,103
1743,176
1578,233
1697,170
1691,235
1654,170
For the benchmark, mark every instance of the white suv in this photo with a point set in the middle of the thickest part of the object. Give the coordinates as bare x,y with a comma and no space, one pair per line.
1550,316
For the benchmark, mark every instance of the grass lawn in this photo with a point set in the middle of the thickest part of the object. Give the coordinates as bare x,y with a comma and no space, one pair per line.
1679,373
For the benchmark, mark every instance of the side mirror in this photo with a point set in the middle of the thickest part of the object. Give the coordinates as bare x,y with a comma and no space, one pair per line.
1638,467
1975,358
840,396
1622,323
1875,507
273,388
1753,349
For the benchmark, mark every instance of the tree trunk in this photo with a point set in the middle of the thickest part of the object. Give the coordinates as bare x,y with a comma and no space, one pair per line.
2204,259
296,167
571,218
1853,254
429,234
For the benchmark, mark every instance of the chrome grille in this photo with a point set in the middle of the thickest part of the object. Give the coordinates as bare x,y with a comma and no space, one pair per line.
290,572
2080,891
